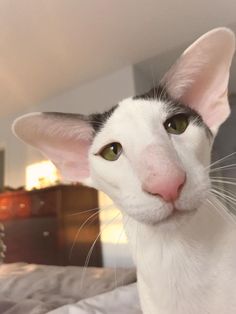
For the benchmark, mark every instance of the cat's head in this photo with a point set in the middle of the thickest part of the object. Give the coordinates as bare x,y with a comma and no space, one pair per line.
149,153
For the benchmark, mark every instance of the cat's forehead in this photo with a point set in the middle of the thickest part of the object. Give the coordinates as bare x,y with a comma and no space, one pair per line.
132,121
140,108
134,113
128,114
146,110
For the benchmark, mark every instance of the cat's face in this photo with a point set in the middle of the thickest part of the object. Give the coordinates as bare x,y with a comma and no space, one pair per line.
156,172
150,153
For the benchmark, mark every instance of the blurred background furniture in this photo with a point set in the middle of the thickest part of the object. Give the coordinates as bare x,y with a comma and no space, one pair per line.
2,244
41,226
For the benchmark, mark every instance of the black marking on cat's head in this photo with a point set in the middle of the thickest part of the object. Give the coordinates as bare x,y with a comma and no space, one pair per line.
174,107
98,120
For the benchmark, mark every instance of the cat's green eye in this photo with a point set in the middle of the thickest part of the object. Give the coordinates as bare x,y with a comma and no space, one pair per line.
177,124
111,152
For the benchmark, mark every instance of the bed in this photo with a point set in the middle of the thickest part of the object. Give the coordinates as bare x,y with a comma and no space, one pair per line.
39,289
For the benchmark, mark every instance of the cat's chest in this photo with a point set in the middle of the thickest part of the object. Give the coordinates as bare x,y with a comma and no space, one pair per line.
182,284
176,275
171,280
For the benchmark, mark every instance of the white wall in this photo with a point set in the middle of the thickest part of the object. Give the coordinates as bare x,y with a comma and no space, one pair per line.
96,96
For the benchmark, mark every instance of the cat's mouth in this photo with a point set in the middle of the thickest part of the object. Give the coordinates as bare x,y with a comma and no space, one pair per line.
151,214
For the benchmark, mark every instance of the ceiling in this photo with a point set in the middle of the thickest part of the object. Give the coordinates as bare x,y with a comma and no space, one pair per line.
48,47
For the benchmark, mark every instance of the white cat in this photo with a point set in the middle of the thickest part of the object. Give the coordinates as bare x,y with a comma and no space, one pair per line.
151,155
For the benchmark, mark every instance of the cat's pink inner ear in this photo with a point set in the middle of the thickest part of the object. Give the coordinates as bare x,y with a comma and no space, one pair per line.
64,139
200,76
71,158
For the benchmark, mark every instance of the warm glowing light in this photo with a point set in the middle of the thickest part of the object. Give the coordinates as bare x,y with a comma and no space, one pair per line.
111,221
41,175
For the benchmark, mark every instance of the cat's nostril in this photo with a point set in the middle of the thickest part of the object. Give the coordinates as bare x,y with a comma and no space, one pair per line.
150,193
180,188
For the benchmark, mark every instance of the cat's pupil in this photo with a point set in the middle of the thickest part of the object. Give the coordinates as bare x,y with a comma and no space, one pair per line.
114,148
172,124
177,124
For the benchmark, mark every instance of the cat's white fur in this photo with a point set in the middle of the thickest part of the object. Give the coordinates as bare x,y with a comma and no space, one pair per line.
184,250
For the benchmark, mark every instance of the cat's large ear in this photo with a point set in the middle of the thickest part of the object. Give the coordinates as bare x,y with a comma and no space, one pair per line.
200,76
63,138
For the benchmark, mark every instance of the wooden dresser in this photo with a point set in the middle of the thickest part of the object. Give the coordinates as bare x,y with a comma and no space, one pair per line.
41,225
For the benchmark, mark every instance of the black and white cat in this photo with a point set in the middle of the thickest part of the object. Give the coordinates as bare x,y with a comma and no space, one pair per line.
151,154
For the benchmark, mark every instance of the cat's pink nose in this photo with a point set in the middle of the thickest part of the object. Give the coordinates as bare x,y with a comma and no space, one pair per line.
166,187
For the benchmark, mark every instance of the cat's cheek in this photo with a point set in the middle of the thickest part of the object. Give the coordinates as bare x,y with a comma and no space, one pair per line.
105,180
194,146
195,193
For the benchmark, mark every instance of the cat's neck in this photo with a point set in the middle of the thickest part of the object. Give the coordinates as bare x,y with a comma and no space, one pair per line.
169,261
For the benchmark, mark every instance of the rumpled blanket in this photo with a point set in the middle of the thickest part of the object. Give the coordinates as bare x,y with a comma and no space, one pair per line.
122,300
38,289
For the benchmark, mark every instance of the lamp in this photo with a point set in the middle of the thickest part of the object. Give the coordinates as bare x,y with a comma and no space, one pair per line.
41,175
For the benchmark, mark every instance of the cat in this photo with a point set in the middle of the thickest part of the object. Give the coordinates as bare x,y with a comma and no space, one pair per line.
151,154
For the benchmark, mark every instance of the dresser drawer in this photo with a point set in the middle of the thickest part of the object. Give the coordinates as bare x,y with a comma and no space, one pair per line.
32,240
41,225
21,206
17,206
6,208
45,203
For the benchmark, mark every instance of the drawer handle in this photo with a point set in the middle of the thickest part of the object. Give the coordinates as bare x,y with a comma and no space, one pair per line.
46,234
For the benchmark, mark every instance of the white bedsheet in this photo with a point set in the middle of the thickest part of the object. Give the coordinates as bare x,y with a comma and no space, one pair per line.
39,289
122,300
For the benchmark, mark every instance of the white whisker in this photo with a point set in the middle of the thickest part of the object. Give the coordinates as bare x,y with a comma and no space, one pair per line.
223,181
79,230
92,247
118,240
223,178
225,214
218,210
227,197
230,207
225,192
220,160
91,210
228,167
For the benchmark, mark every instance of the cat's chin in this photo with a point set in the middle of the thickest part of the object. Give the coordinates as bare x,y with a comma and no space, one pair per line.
178,216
